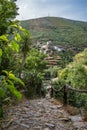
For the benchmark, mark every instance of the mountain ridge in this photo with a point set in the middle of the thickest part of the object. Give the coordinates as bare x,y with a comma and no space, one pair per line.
71,35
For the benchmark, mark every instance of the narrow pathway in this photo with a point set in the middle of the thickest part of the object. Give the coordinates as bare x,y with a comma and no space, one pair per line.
41,114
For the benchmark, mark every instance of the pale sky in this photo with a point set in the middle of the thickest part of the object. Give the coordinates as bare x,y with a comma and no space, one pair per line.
71,9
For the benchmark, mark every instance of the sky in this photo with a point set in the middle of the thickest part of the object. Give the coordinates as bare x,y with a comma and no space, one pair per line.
70,9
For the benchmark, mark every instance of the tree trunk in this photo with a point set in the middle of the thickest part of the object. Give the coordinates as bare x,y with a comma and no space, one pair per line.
1,109
65,95
22,65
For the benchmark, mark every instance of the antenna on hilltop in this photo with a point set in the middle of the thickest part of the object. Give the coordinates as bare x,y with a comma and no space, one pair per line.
48,14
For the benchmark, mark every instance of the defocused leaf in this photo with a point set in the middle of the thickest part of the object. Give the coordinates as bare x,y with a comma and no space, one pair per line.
4,38
0,52
6,72
14,25
18,94
2,92
18,37
14,45
13,90
12,76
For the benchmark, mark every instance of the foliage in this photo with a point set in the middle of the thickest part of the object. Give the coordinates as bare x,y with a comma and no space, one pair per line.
75,71
8,11
77,99
11,34
75,75
34,72
7,85
8,89
43,91
35,61
47,74
61,31
57,85
25,46
51,72
33,82
70,35
9,49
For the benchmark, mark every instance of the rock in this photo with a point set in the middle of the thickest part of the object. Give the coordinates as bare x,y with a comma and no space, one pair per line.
37,128
50,125
76,118
21,124
41,114
53,107
62,127
8,124
38,114
80,125
59,106
65,119
46,129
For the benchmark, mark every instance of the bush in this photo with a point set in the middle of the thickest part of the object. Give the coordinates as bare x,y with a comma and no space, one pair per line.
8,89
33,82
77,99
57,85
43,91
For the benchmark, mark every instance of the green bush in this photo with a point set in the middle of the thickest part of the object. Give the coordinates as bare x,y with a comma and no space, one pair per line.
33,82
8,89
43,91
75,75
57,85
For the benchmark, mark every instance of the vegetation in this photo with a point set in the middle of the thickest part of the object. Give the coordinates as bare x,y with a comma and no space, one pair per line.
34,72
75,75
17,59
75,71
23,65
60,31
8,47
70,35
8,11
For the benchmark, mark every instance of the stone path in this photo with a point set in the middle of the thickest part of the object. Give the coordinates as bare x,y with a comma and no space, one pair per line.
41,114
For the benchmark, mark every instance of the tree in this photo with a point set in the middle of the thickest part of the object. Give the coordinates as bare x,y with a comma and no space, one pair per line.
7,88
35,61
8,11
34,72
25,46
75,75
75,71
9,48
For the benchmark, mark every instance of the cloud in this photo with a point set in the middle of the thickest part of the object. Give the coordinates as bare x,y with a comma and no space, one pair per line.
70,9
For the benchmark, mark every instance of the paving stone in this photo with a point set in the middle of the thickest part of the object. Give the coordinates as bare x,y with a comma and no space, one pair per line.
40,114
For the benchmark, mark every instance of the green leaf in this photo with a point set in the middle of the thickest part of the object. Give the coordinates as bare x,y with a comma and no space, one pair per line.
14,45
19,81
12,76
22,29
10,82
13,90
4,38
6,72
2,92
18,37
14,25
0,52
17,94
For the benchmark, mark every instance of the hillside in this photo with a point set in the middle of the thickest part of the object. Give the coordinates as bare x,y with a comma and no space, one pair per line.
61,31
70,35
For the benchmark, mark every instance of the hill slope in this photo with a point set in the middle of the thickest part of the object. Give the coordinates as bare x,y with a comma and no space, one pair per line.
68,34
59,30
